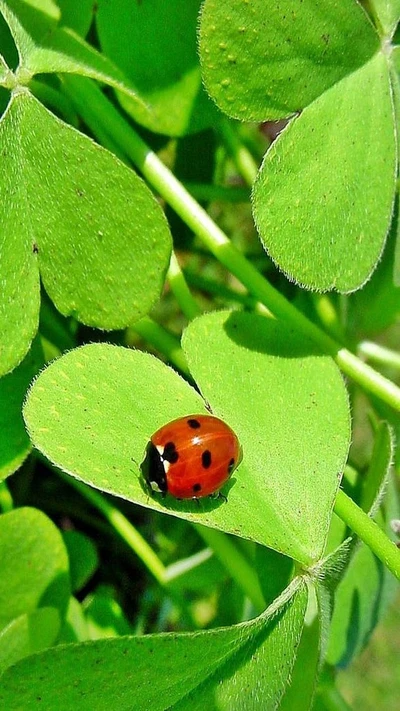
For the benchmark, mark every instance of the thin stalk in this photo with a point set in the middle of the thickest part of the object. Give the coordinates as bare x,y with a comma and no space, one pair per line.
379,354
98,111
369,532
328,315
237,565
185,565
181,290
241,156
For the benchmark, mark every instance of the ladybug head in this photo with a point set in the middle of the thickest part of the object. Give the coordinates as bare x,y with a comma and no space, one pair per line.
153,469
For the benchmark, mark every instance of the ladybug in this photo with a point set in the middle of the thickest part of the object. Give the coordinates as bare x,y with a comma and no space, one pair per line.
191,457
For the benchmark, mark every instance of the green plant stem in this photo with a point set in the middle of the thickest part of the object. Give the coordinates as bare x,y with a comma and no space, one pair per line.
163,341
185,565
6,500
235,563
379,354
328,315
97,110
369,532
241,156
123,527
181,290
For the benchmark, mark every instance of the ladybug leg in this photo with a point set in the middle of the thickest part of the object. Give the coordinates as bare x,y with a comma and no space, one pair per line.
218,495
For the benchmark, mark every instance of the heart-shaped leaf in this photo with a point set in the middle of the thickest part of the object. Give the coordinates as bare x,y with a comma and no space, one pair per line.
93,411
324,197
102,249
224,668
262,65
313,224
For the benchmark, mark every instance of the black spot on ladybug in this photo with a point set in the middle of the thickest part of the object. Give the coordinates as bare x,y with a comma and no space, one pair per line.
231,465
194,424
170,454
154,468
206,459
196,488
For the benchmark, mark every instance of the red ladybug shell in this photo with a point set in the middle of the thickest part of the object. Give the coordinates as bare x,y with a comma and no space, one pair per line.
192,456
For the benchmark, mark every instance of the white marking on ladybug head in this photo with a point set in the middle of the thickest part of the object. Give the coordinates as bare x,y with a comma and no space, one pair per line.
154,487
